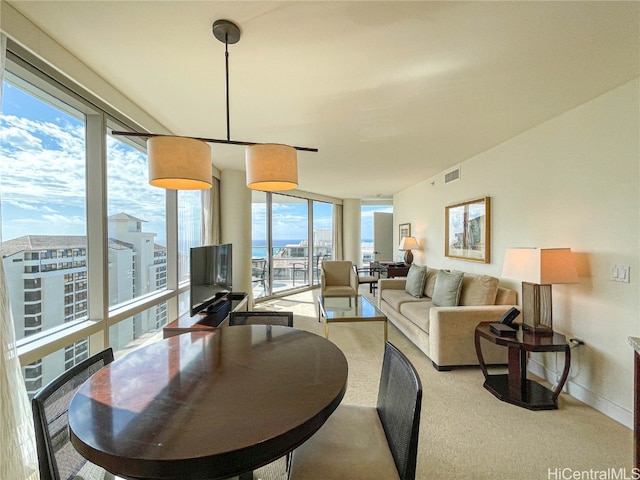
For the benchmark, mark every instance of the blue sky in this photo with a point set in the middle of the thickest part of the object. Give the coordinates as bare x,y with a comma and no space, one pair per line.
42,180
42,173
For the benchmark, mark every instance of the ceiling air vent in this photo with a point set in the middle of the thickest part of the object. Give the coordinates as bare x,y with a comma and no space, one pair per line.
452,175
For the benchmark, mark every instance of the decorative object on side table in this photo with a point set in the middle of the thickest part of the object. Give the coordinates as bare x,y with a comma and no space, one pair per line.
506,327
539,268
407,244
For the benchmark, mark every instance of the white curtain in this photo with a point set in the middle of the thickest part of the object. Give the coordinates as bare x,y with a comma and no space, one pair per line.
211,214
18,458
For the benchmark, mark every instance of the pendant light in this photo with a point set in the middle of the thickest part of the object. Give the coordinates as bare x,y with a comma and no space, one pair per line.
184,163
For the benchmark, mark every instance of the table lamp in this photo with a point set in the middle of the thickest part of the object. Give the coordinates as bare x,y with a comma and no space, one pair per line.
539,268
406,244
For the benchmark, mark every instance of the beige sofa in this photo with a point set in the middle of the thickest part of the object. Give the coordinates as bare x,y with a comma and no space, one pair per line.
446,333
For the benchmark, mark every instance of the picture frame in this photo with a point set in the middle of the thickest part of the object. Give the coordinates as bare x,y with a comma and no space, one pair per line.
404,230
467,230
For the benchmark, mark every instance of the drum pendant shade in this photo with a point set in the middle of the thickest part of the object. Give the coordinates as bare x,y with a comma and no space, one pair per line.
271,167
179,163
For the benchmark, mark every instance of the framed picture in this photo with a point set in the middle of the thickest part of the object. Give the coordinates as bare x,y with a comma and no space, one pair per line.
404,230
467,230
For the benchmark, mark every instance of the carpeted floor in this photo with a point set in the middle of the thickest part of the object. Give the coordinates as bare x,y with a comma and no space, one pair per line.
465,432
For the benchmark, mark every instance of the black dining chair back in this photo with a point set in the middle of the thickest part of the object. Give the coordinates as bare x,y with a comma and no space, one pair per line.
57,458
261,318
365,442
399,402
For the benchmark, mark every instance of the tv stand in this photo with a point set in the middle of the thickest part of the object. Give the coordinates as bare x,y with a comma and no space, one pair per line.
211,318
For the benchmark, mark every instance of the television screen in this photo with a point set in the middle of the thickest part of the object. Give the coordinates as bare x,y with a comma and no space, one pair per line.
211,275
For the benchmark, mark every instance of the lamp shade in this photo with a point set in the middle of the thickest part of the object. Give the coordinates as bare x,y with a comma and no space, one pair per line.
544,266
179,163
408,243
271,167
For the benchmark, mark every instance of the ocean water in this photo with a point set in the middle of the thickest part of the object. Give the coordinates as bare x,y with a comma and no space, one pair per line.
259,250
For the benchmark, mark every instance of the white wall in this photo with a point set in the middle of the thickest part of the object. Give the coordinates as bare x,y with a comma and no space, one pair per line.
570,182
235,225
351,234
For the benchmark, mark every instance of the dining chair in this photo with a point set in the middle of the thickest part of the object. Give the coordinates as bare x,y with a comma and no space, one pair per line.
369,442
57,458
259,273
338,279
368,275
257,317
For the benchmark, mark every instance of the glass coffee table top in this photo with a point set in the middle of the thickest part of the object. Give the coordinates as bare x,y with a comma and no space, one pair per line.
349,309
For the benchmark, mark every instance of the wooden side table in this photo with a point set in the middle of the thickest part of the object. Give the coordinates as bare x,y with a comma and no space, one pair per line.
391,269
514,387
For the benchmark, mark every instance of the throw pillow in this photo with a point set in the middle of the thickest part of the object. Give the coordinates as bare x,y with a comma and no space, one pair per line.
415,280
446,293
479,290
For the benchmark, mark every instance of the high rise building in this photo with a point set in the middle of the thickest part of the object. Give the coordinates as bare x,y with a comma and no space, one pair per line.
47,279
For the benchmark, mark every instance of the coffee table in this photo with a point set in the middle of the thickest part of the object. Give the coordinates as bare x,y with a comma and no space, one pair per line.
349,309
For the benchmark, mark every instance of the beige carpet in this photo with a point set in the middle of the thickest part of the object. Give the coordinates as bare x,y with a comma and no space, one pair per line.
465,432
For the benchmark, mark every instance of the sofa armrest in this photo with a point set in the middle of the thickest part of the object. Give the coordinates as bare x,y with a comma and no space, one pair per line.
391,283
452,332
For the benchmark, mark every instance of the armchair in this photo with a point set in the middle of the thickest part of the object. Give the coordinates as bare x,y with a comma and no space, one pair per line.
339,279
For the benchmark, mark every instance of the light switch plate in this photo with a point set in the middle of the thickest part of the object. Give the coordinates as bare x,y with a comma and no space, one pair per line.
620,273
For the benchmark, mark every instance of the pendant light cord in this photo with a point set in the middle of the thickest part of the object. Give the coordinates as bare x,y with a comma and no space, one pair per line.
226,67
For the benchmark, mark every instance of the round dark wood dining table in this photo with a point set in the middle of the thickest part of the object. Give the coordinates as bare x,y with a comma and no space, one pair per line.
208,405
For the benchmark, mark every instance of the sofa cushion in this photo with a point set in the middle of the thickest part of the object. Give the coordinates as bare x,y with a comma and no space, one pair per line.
430,281
506,296
446,292
478,290
417,313
395,298
416,277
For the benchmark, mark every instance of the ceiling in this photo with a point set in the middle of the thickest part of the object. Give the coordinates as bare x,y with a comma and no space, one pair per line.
390,92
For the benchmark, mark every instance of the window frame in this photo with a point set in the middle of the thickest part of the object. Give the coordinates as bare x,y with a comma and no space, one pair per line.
33,74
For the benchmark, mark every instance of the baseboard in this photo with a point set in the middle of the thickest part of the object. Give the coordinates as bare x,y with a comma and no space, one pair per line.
577,391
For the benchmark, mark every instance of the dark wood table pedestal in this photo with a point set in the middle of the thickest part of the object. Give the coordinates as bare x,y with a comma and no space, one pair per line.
514,386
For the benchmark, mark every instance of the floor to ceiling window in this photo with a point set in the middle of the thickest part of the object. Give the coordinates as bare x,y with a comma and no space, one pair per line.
260,257
136,235
43,203
290,238
94,256
322,237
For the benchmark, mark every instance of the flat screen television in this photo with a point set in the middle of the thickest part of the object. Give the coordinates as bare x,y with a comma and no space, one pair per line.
211,275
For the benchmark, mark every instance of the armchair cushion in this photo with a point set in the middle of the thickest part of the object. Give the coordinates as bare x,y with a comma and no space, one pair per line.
446,292
339,279
415,280
351,444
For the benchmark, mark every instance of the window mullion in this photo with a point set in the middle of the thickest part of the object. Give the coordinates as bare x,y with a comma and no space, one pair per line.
97,247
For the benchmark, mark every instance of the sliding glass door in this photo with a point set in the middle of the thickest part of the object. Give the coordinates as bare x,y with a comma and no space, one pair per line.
290,238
